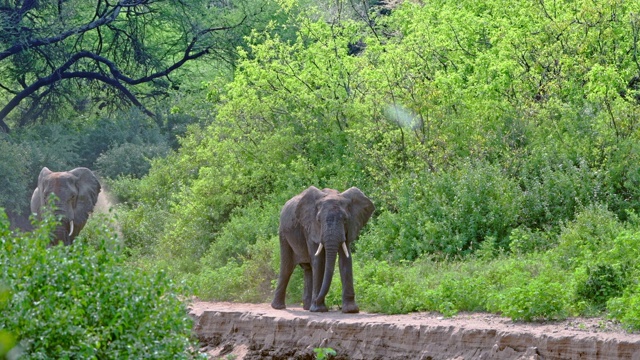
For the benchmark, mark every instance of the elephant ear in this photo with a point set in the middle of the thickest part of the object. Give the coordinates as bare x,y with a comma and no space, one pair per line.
361,209
307,210
37,200
88,189
44,173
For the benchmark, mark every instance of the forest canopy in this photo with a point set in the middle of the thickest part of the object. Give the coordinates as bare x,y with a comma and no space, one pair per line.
96,56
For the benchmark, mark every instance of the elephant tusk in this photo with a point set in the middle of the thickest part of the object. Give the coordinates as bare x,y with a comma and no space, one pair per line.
71,231
319,250
344,247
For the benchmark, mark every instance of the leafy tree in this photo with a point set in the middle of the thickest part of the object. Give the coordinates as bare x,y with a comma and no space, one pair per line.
93,56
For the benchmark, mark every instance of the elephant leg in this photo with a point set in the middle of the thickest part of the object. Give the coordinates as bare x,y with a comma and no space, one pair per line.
287,265
308,286
317,265
348,293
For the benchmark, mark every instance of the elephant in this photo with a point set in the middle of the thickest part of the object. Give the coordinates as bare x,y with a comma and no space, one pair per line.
315,226
77,193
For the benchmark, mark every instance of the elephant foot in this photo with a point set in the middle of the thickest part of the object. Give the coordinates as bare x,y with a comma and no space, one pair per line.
319,308
350,308
306,303
278,305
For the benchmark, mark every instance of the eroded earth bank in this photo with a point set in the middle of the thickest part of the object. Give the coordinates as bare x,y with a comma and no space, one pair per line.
256,331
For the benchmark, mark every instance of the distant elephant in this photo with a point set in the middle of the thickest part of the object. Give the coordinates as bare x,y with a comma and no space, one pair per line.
313,222
77,191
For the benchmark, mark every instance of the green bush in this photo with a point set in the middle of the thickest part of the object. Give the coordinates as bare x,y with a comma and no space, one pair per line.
626,308
588,237
554,192
104,134
246,226
129,159
448,213
15,179
602,282
523,240
25,153
249,278
538,299
460,292
83,301
7,339
381,287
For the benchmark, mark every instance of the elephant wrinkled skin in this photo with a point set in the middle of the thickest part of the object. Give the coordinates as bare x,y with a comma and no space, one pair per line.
77,193
316,226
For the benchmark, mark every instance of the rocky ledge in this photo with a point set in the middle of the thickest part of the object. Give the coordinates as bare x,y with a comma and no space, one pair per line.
255,331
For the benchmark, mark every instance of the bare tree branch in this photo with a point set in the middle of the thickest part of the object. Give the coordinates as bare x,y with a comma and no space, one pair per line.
19,47
115,62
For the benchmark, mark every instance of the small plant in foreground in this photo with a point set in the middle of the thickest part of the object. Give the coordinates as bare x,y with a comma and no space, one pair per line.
324,353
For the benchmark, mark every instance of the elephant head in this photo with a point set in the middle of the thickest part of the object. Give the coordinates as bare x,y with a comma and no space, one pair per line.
77,193
316,227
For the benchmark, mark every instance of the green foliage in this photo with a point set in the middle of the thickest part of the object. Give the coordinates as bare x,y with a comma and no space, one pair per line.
626,308
128,159
539,299
7,340
122,144
449,214
95,61
84,301
498,141
246,227
583,241
603,282
15,177
324,353
247,279
523,240
381,287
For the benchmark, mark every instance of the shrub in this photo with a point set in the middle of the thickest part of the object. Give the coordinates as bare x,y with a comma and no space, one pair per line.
523,240
460,292
245,227
15,178
7,339
586,238
104,134
602,282
554,190
626,308
381,287
129,159
449,213
539,299
247,279
83,301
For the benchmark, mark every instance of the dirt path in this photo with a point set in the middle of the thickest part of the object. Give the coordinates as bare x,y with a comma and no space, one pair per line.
256,331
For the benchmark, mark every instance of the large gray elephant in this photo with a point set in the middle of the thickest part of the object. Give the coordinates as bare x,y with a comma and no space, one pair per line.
316,226
77,192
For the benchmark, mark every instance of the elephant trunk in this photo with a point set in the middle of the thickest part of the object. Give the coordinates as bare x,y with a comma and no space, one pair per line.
64,231
330,263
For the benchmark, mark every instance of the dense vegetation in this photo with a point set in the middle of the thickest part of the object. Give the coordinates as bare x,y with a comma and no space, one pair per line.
85,302
497,139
